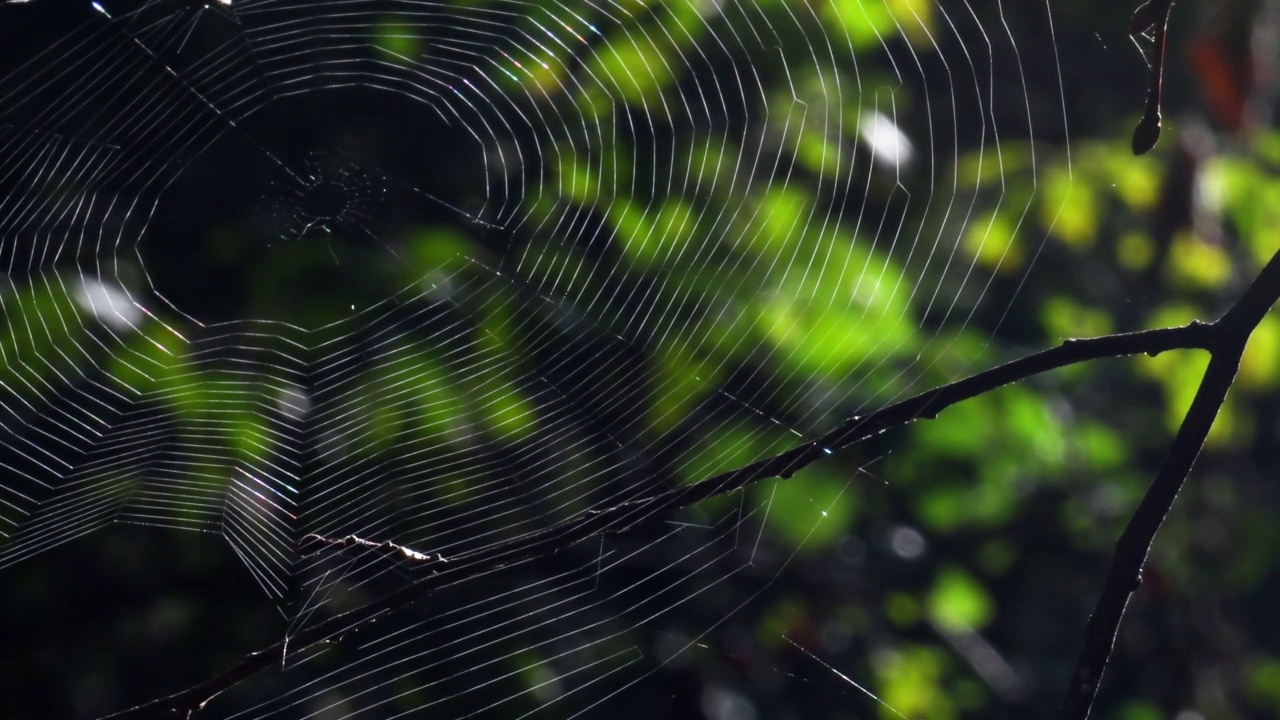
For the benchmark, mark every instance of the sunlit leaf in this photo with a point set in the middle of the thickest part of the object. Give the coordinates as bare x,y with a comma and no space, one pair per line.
958,602
812,510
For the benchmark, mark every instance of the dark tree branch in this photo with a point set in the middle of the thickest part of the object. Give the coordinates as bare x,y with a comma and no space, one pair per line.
1125,574
620,518
1228,337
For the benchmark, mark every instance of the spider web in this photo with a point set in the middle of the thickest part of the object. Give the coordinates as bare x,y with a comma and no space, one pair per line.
367,283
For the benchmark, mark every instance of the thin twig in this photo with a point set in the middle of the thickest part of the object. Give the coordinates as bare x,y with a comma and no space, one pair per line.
1229,335
1151,16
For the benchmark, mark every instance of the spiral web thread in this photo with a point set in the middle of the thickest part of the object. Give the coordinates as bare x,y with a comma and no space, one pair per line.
690,234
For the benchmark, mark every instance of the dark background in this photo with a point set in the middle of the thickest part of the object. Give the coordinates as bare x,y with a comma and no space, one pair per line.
344,239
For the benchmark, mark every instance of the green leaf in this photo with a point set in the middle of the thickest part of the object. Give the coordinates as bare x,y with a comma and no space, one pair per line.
958,602
813,509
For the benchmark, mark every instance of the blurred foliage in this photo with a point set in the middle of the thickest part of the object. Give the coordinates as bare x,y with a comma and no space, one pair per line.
914,562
